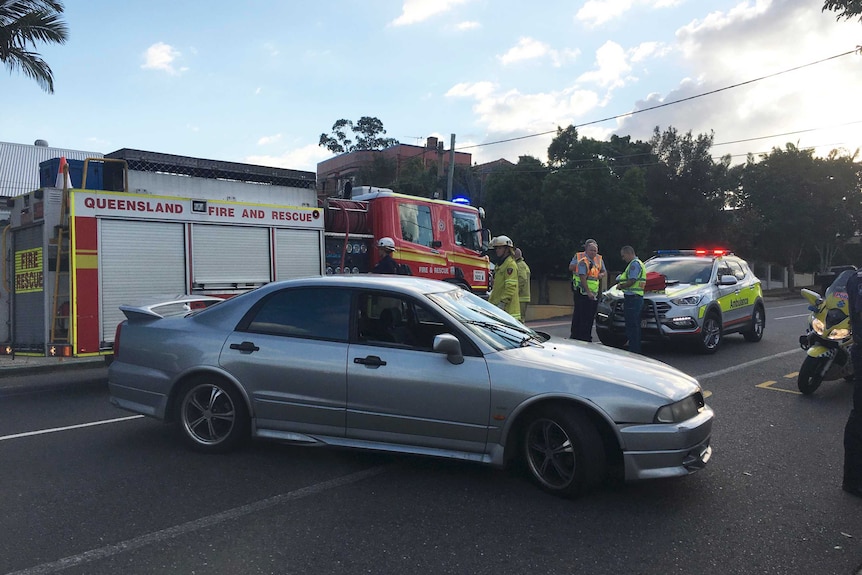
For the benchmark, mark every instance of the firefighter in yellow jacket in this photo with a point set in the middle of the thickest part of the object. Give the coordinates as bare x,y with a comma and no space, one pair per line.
505,293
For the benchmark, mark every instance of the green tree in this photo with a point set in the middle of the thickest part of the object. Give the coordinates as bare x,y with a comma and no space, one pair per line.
24,24
346,136
797,204
513,199
684,191
846,9
598,191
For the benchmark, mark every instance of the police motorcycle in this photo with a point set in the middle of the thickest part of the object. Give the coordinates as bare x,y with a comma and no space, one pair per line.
827,339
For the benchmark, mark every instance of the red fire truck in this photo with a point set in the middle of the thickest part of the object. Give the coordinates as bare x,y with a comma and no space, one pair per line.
139,226
433,238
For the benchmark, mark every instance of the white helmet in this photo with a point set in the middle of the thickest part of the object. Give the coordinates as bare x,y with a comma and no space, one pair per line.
501,241
387,244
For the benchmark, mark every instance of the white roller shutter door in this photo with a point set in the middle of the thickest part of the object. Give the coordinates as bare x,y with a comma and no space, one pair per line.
297,253
138,261
229,256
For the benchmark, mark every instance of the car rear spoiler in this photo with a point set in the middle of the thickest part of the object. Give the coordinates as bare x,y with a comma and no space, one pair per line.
168,306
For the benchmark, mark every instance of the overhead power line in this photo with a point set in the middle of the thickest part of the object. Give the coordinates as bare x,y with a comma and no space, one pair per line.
665,104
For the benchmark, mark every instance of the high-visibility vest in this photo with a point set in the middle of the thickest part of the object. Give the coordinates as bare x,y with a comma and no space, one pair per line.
636,288
592,272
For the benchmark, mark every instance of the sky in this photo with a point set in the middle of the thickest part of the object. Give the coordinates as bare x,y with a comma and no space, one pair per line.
259,81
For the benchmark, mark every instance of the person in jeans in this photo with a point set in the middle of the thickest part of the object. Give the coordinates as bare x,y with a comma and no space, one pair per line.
852,482
632,282
588,269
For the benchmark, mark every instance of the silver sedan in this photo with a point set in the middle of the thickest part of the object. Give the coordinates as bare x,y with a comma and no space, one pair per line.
408,365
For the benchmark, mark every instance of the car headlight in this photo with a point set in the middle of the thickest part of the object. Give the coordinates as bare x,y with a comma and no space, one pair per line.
682,410
688,300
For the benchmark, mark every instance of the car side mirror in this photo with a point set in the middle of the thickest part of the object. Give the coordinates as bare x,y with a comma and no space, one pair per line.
728,280
436,244
449,344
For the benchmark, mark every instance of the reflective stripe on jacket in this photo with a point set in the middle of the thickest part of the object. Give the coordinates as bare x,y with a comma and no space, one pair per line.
636,288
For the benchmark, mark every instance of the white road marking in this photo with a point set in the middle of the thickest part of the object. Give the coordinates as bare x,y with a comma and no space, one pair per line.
198,524
747,364
68,427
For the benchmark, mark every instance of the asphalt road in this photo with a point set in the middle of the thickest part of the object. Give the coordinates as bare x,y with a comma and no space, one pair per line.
91,489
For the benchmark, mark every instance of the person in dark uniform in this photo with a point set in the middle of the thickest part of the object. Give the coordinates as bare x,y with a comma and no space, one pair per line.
853,430
386,265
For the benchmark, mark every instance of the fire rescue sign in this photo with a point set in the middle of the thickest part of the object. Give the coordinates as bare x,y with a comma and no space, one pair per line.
28,271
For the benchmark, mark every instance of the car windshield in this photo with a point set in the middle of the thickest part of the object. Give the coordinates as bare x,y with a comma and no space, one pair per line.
494,326
682,271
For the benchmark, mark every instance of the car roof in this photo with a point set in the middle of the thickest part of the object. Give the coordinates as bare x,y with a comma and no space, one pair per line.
373,281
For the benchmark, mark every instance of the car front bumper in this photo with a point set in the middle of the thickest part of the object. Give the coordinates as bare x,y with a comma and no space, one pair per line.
659,321
667,450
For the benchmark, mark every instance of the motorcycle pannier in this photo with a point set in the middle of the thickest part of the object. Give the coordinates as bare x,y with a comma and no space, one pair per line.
654,282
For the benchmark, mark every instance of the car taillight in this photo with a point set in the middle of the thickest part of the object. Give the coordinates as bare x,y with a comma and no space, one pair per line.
117,341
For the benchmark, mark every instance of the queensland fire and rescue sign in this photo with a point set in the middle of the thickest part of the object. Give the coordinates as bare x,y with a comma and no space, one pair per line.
140,206
29,276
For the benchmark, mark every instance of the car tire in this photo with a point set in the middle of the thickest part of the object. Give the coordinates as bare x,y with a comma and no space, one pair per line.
809,378
710,334
758,324
212,415
563,451
610,339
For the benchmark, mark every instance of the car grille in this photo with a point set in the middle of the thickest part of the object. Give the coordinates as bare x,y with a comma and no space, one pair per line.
649,310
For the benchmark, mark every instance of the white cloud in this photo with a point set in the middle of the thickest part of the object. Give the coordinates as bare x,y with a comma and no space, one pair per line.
648,50
532,49
267,140
304,158
738,46
597,12
415,11
612,67
468,25
476,90
161,56
513,111
526,49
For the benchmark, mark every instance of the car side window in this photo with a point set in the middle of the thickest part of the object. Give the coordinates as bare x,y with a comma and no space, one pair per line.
723,270
736,270
394,321
318,313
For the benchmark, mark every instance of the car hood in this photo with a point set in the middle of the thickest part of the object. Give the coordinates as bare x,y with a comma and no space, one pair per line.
594,364
671,291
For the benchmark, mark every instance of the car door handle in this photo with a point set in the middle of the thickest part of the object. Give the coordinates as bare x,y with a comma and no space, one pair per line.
371,361
245,346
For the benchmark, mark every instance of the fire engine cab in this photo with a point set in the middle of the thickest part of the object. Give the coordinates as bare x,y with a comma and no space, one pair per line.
136,227
433,238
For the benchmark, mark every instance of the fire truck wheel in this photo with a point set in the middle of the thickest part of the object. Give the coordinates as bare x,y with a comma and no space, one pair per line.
211,414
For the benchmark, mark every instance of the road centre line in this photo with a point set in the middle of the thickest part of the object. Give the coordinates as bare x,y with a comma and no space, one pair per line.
198,524
746,364
68,427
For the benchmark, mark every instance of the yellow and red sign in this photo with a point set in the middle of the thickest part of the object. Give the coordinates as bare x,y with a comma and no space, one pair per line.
29,274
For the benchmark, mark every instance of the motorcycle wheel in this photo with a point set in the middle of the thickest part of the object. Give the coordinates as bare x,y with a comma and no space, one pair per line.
809,375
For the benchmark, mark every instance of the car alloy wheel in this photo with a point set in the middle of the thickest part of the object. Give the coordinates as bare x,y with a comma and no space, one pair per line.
758,323
710,336
563,451
212,415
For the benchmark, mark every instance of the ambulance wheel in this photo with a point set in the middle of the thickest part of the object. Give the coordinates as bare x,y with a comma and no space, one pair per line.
758,323
211,414
710,334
